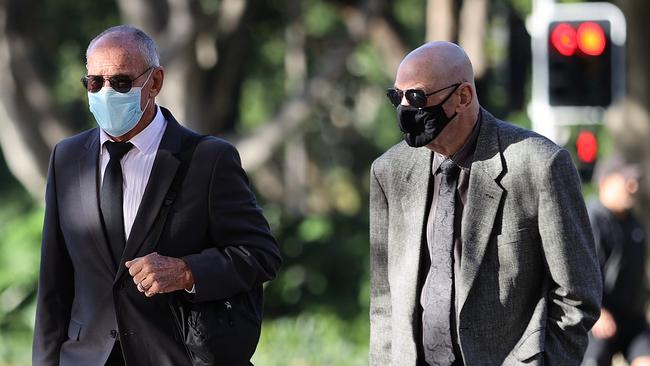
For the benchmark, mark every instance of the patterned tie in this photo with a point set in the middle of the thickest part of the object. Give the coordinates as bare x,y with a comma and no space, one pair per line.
438,348
111,198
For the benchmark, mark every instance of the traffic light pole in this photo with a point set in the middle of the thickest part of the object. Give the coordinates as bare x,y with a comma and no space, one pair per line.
539,109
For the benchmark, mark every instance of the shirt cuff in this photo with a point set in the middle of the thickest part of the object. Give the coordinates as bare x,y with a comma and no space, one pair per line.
192,291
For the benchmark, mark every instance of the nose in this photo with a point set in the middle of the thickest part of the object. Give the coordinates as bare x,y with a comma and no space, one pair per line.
404,101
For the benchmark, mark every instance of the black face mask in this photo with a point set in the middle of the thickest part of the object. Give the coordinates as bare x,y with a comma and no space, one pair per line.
422,125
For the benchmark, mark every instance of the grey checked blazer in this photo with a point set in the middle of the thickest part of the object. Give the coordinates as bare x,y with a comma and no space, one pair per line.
529,286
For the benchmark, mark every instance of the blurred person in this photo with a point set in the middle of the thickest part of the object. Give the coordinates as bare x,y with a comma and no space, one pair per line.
109,266
481,251
621,249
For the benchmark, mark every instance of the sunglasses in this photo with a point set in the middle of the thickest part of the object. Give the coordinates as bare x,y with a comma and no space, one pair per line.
416,97
120,83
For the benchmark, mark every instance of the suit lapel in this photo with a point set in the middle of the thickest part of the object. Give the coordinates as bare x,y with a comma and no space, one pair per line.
415,180
414,185
484,199
88,184
162,174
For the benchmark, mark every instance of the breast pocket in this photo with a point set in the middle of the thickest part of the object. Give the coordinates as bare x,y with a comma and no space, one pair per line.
515,248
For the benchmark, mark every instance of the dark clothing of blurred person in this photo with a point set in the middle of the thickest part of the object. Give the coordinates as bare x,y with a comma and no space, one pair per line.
621,247
481,251
109,267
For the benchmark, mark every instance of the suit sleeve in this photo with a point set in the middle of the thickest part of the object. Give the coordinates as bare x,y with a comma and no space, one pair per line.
245,253
576,289
55,285
380,304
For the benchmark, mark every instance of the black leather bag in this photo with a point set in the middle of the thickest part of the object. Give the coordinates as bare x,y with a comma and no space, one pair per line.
223,332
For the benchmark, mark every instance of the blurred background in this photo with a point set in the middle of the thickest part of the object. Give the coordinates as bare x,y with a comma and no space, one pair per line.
299,87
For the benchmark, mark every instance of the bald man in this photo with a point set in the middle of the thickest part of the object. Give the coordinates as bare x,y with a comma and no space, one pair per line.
144,216
481,251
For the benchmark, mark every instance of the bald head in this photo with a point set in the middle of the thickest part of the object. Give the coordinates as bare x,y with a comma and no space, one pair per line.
132,40
434,68
437,64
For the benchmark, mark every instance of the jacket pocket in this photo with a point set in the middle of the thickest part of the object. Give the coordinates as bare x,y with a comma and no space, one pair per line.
518,253
74,330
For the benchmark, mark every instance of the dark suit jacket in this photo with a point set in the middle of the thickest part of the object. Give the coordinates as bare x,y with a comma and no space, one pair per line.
529,285
215,225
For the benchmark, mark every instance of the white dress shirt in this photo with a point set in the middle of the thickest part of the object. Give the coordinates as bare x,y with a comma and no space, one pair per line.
136,165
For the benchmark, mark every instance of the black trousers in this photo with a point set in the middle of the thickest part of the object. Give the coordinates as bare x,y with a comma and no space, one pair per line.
116,358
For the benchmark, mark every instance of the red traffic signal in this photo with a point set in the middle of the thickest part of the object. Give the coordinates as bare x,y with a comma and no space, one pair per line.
563,38
587,147
589,38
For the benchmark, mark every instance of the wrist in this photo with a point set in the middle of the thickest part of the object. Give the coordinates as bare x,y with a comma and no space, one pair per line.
187,277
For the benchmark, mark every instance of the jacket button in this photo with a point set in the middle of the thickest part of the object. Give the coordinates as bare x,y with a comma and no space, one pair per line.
113,333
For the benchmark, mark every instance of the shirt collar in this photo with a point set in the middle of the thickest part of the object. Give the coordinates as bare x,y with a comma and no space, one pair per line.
464,156
145,141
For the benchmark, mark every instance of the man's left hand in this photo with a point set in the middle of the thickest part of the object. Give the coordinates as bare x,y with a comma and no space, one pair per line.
156,274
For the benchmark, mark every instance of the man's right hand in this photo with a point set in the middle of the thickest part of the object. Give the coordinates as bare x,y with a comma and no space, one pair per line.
605,327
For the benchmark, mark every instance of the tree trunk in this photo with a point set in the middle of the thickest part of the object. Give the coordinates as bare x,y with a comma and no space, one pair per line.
471,33
441,20
29,123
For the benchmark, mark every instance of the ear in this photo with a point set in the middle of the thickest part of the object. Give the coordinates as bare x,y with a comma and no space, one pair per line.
158,77
466,93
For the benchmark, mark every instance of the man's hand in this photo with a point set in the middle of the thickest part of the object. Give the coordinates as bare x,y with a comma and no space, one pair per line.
157,274
605,327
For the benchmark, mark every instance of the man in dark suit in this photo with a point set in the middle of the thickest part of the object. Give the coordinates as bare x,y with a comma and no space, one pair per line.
480,247
105,281
621,248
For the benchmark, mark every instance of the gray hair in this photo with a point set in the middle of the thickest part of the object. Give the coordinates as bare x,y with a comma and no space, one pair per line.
144,44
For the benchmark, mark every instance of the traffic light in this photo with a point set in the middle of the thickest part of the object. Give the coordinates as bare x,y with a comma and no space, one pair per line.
580,63
586,151
578,53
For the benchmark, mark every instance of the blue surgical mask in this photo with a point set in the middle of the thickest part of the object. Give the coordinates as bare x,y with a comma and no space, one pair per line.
117,113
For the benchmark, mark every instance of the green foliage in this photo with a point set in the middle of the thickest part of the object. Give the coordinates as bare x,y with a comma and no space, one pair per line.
325,266
19,263
366,63
257,106
313,340
523,7
520,118
320,18
411,16
264,86
71,69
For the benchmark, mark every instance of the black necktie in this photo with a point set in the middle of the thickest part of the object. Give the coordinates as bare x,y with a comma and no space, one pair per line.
111,198
436,323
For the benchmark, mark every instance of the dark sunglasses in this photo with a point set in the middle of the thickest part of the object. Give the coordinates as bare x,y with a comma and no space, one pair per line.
120,83
416,97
